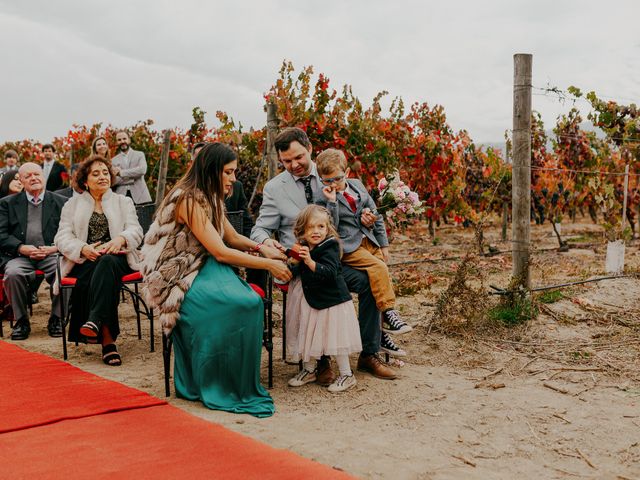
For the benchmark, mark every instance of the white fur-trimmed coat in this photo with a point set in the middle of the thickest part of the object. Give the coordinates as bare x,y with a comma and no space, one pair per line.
172,258
74,228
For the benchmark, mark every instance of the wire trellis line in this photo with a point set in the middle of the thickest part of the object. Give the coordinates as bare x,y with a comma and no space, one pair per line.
501,291
592,172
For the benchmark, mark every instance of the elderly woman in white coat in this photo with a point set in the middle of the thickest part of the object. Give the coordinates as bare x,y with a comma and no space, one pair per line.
98,235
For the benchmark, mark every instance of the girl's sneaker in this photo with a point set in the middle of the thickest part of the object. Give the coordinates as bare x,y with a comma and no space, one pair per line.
302,378
342,383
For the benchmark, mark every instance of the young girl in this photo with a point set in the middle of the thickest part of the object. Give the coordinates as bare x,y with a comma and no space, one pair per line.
327,317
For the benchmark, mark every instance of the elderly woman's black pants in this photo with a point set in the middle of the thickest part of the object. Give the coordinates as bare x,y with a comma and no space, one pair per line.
96,295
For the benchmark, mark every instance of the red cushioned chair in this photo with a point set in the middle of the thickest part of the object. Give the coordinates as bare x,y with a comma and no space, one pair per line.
130,285
129,281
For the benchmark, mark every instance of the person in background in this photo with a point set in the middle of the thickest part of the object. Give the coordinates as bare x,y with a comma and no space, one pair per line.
55,174
10,184
98,237
10,162
72,189
130,167
100,147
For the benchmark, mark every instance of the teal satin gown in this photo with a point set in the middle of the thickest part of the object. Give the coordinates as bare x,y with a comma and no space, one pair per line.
218,343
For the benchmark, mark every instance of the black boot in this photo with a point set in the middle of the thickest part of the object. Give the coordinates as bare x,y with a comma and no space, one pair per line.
55,326
21,330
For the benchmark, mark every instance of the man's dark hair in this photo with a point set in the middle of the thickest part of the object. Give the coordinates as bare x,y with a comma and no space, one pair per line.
49,146
291,134
125,132
11,154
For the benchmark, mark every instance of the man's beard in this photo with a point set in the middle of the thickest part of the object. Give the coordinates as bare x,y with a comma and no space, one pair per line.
124,147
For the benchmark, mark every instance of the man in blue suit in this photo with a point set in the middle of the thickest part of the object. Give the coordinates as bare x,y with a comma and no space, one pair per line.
284,196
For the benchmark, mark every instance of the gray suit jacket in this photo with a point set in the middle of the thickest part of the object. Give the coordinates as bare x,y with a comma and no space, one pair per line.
282,201
133,167
348,222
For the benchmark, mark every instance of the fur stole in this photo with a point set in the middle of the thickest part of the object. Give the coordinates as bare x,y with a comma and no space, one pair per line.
172,258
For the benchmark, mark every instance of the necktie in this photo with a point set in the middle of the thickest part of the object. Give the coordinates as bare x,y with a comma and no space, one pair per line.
350,200
308,193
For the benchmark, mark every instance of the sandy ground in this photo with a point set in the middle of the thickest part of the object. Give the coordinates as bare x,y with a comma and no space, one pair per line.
558,397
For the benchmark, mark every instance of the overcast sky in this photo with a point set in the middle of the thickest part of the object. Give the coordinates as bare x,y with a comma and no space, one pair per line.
81,61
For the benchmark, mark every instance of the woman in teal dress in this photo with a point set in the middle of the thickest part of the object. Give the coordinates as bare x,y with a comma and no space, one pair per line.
214,318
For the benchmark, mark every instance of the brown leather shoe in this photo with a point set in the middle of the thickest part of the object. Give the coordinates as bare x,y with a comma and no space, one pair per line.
373,365
325,376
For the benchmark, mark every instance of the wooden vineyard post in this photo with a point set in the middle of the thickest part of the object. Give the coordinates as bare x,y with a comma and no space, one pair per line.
626,194
272,132
521,189
505,220
164,161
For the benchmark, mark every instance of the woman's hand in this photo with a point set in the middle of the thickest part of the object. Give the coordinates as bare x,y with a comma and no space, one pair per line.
280,270
90,253
272,252
270,242
114,246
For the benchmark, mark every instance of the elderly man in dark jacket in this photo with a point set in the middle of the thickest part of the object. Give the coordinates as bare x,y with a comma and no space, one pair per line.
28,224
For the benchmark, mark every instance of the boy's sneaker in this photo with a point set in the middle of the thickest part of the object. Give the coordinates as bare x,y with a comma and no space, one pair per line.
342,383
387,346
302,378
391,323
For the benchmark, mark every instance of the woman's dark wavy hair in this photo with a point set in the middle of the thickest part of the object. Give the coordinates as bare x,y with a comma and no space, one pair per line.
205,176
7,178
79,180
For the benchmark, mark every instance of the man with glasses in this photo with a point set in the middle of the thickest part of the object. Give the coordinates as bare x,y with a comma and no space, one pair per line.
284,196
364,248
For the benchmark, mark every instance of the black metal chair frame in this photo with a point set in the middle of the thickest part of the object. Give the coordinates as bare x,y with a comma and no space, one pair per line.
136,297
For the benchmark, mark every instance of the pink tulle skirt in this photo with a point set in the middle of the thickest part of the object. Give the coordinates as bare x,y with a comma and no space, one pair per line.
312,333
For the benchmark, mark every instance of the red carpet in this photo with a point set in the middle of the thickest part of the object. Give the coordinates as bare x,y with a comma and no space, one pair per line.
54,423
37,390
156,442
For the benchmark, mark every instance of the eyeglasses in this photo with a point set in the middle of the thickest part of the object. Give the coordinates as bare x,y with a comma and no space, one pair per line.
329,181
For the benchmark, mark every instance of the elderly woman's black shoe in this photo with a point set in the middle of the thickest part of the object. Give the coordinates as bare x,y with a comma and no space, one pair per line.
110,355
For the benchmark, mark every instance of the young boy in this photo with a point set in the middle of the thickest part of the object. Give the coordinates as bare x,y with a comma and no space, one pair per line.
364,248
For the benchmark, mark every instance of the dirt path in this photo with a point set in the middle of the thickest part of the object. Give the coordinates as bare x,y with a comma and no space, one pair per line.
557,398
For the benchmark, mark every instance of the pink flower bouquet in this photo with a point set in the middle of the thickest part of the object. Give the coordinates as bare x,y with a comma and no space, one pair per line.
397,203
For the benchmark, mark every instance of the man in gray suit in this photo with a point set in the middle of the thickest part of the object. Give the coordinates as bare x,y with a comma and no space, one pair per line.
10,162
284,196
130,166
